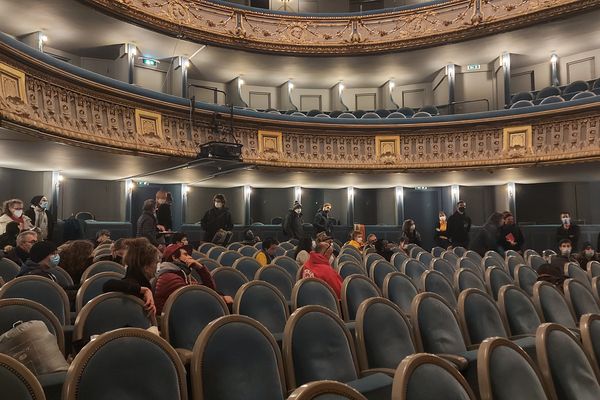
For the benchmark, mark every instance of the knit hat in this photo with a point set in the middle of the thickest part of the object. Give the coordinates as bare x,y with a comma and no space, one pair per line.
326,205
35,201
41,250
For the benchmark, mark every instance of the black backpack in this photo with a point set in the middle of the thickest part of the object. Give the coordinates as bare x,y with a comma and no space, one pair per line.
72,229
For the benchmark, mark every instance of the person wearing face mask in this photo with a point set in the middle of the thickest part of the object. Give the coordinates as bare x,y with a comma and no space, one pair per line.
142,260
147,226
218,217
42,258
409,230
322,221
318,266
267,253
567,230
163,210
459,226
40,216
292,223
586,255
356,240
564,256
13,211
511,237
441,232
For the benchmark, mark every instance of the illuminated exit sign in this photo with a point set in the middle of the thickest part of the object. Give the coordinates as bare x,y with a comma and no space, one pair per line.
473,67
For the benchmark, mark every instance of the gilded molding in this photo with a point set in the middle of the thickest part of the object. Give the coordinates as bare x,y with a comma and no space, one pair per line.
204,21
61,107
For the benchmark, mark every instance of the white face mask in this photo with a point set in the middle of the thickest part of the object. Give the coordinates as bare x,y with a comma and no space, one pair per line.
18,213
218,204
298,211
565,251
162,201
566,220
413,227
442,219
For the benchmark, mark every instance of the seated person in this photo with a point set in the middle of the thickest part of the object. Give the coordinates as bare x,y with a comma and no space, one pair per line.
141,259
318,266
567,230
102,236
75,257
176,272
302,251
180,238
42,257
586,255
356,240
8,239
553,274
118,249
266,255
382,248
564,255
20,253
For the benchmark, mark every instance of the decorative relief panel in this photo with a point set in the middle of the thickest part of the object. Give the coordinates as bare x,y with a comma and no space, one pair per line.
76,111
208,22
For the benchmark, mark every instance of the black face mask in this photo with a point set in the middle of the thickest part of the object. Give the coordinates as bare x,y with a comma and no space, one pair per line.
462,209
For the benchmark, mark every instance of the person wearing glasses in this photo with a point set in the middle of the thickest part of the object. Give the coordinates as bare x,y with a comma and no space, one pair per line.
317,266
12,210
20,253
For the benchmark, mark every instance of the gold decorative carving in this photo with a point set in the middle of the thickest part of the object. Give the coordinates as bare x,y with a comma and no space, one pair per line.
148,126
205,21
85,113
270,145
517,140
387,148
12,83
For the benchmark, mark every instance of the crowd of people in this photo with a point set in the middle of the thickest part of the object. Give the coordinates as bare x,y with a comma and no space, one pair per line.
159,261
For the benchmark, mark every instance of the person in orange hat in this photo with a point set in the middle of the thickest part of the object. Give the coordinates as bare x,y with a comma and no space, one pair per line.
176,271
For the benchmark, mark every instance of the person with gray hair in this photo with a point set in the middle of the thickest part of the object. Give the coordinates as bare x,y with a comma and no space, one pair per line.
12,210
20,253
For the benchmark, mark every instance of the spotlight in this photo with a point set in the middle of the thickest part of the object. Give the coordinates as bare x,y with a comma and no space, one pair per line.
186,64
44,38
61,178
554,58
241,81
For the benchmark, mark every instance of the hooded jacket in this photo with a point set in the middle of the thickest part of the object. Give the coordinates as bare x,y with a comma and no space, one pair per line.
174,275
318,266
33,268
292,225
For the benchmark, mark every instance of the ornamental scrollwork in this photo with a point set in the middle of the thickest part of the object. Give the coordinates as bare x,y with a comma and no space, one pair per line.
205,21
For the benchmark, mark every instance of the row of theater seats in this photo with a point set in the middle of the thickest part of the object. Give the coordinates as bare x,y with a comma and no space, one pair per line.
554,94
446,319
404,112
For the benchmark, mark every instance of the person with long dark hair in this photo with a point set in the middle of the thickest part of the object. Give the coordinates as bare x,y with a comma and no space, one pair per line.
409,230
303,249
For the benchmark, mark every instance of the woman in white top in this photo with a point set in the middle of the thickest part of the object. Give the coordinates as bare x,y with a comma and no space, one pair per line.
305,246
13,211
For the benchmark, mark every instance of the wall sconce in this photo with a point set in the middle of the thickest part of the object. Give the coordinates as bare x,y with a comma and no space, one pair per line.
455,193
247,191
298,193
129,185
399,193
511,190
451,71
350,192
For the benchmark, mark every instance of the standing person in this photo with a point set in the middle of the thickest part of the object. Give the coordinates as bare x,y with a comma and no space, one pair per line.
511,237
488,238
147,225
40,216
12,210
302,251
142,259
163,211
218,217
318,266
322,222
266,255
409,230
441,232
567,230
292,223
459,226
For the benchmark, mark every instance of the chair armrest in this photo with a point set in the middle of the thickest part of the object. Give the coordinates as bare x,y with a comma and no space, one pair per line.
457,361
517,337
473,347
185,355
372,371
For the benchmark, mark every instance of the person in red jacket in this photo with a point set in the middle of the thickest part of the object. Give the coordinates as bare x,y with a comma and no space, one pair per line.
176,271
318,266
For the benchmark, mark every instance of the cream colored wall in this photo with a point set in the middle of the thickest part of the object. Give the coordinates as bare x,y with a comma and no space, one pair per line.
206,95
324,93
246,89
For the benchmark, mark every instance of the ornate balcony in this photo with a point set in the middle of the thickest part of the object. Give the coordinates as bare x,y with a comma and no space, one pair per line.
338,34
46,97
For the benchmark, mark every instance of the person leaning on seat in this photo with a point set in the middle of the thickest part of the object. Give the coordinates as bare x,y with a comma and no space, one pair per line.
176,272
318,266
266,255
142,259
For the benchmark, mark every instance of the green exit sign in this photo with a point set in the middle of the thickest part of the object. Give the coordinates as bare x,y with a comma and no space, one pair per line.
473,67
